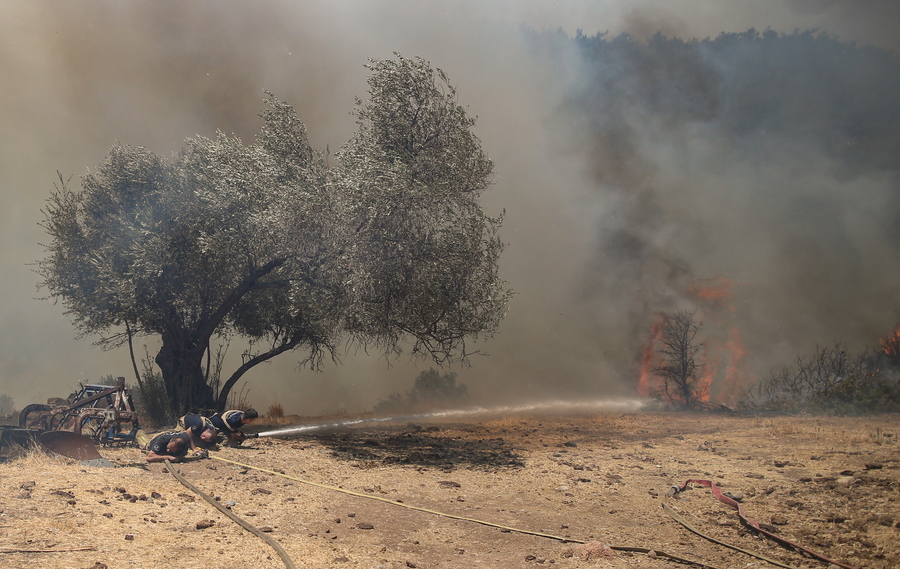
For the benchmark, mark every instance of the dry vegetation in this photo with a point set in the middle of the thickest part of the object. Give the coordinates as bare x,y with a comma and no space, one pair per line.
829,484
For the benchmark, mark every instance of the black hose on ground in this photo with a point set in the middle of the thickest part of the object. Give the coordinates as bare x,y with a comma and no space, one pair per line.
236,519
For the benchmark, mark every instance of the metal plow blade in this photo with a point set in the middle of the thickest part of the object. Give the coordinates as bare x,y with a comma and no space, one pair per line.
75,446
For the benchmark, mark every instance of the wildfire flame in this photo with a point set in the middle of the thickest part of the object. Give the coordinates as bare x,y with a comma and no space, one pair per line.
713,297
715,293
646,380
891,343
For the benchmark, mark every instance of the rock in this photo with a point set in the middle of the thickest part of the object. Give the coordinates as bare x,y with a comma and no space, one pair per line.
364,525
205,524
736,496
594,550
845,481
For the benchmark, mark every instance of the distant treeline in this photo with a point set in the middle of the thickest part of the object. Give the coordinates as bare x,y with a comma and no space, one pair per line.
806,85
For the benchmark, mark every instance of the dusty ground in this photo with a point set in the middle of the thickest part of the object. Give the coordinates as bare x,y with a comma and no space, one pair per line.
829,484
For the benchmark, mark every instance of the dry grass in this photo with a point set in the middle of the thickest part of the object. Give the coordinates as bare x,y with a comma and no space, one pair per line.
276,411
594,477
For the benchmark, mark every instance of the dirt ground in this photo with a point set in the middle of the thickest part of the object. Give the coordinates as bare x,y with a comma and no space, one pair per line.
511,492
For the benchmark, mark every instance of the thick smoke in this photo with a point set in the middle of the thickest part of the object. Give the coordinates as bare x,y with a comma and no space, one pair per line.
592,251
760,168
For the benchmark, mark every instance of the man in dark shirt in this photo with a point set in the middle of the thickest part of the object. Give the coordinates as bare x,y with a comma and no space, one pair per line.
200,428
172,446
229,424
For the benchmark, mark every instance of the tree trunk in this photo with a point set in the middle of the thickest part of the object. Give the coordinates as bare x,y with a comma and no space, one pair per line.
288,345
186,386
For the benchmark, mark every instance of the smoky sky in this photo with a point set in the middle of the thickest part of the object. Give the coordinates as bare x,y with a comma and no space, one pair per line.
600,235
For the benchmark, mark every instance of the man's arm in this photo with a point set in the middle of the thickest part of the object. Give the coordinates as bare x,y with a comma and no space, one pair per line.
153,457
194,446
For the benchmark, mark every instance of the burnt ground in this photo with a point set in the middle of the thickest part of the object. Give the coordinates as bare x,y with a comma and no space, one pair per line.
514,492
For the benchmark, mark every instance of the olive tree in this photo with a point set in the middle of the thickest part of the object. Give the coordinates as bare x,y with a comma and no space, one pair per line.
386,249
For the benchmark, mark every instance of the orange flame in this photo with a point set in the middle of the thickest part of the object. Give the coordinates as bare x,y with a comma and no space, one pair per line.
716,386
891,344
714,292
710,371
734,380
648,358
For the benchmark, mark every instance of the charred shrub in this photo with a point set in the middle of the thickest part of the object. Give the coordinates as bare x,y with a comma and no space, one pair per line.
831,381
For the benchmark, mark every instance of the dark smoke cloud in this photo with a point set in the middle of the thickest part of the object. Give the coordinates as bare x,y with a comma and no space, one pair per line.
75,78
763,164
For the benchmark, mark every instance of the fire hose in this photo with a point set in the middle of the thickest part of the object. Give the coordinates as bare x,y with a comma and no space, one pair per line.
644,550
674,490
672,513
241,522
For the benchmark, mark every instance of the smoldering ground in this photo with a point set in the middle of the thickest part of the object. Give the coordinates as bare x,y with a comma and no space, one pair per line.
603,230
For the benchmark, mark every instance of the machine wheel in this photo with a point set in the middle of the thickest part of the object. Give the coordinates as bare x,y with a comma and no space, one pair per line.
92,427
35,416
63,421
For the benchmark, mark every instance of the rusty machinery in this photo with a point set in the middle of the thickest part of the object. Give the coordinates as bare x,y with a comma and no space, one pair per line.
97,411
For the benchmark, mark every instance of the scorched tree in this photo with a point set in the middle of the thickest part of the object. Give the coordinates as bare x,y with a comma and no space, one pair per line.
388,248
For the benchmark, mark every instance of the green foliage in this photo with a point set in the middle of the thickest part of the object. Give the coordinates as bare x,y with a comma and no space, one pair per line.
429,255
264,241
432,387
431,390
150,398
831,381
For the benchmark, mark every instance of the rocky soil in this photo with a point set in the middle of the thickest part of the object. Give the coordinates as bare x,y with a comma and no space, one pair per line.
512,492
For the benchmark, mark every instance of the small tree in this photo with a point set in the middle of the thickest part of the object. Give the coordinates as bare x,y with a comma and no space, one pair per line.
387,247
431,390
680,371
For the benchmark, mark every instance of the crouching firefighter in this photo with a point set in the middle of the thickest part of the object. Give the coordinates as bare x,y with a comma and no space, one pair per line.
203,433
229,424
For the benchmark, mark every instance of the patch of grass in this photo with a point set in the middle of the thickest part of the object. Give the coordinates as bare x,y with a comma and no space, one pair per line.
276,411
